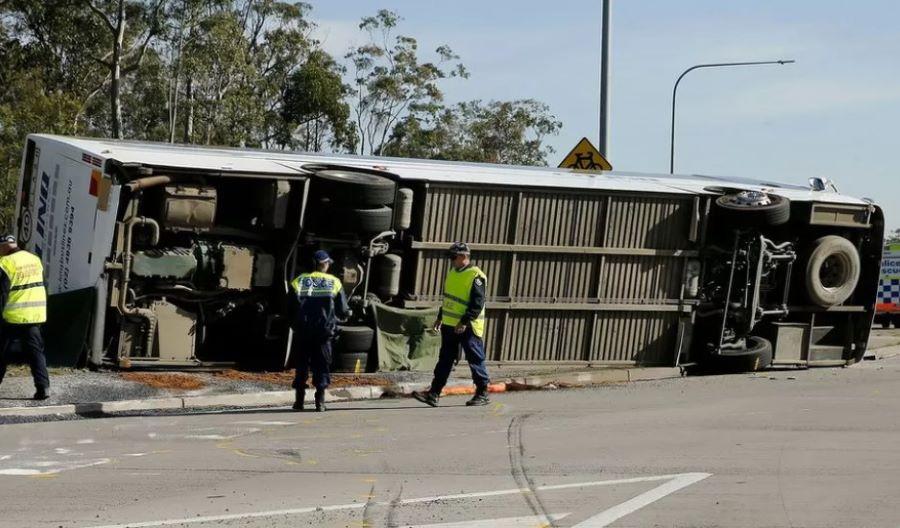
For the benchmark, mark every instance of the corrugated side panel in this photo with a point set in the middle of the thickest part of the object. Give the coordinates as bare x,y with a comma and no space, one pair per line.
479,216
631,279
649,222
642,337
561,219
573,220
543,276
542,335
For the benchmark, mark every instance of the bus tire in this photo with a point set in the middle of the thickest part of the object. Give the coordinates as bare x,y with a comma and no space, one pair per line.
354,188
756,355
832,271
375,220
355,338
739,210
352,362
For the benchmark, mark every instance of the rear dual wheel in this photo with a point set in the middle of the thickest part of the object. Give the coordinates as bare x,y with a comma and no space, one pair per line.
355,189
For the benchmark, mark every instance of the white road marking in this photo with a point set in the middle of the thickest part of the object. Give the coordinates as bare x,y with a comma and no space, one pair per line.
506,522
264,423
630,506
681,479
54,467
85,441
18,472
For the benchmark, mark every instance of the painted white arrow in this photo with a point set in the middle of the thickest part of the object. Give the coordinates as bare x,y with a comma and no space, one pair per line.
615,513
672,484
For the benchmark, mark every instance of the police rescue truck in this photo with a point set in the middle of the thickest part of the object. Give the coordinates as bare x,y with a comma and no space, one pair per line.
888,305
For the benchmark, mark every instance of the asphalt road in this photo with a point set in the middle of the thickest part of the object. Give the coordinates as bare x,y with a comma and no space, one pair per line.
814,448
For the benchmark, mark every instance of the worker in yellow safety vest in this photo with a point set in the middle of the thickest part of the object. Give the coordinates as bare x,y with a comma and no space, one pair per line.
317,303
461,322
23,301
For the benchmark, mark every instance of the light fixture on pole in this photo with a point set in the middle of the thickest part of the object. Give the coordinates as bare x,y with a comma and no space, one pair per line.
698,66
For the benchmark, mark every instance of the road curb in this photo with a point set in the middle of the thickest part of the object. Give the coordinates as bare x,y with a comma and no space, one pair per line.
363,392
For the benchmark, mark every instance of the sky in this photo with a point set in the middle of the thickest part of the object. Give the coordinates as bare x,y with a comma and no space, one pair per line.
833,114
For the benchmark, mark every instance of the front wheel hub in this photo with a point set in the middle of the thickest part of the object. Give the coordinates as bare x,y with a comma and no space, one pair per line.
751,198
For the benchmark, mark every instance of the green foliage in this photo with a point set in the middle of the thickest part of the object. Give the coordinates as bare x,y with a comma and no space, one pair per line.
314,110
892,237
390,82
498,132
240,73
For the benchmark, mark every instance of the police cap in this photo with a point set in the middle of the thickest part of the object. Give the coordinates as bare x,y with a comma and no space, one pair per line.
459,248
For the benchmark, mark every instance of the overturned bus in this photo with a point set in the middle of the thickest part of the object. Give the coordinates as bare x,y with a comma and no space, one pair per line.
158,254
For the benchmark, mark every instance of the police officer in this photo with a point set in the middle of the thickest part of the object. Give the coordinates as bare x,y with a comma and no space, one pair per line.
461,323
317,303
23,301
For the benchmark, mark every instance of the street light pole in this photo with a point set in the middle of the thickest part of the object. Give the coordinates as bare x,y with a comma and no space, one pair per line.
698,66
603,144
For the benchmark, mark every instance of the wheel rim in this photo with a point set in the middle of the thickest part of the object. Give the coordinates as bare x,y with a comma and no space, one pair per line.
834,271
749,199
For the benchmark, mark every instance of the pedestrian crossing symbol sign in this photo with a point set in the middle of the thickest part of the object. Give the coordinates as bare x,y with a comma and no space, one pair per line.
585,157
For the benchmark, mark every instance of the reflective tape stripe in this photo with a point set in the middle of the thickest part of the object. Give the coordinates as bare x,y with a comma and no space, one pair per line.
315,292
27,286
19,305
456,299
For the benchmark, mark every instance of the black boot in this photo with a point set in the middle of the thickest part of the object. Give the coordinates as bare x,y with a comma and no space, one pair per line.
298,400
480,398
320,400
428,398
42,393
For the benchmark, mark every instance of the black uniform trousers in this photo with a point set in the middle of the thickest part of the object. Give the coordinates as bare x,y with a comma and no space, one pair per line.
473,347
311,353
26,340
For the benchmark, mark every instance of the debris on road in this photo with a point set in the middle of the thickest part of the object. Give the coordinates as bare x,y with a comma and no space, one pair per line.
165,380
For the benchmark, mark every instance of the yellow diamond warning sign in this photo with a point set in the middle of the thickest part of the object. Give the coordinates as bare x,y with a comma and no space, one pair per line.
585,157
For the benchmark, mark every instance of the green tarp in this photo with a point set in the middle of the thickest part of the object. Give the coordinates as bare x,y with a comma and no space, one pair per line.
405,341
68,325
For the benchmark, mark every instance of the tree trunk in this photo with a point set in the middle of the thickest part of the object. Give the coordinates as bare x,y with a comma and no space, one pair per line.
115,99
173,109
189,117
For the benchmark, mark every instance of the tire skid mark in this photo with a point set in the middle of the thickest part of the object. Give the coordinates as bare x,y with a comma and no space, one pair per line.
368,520
520,473
390,519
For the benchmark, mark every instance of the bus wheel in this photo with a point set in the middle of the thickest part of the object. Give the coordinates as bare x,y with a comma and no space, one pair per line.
353,188
355,338
753,209
756,355
352,362
832,271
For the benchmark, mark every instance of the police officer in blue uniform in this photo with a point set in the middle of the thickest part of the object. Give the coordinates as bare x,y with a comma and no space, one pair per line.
461,322
317,303
23,303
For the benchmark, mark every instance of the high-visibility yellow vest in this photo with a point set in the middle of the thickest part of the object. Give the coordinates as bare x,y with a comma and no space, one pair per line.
316,284
27,301
457,292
